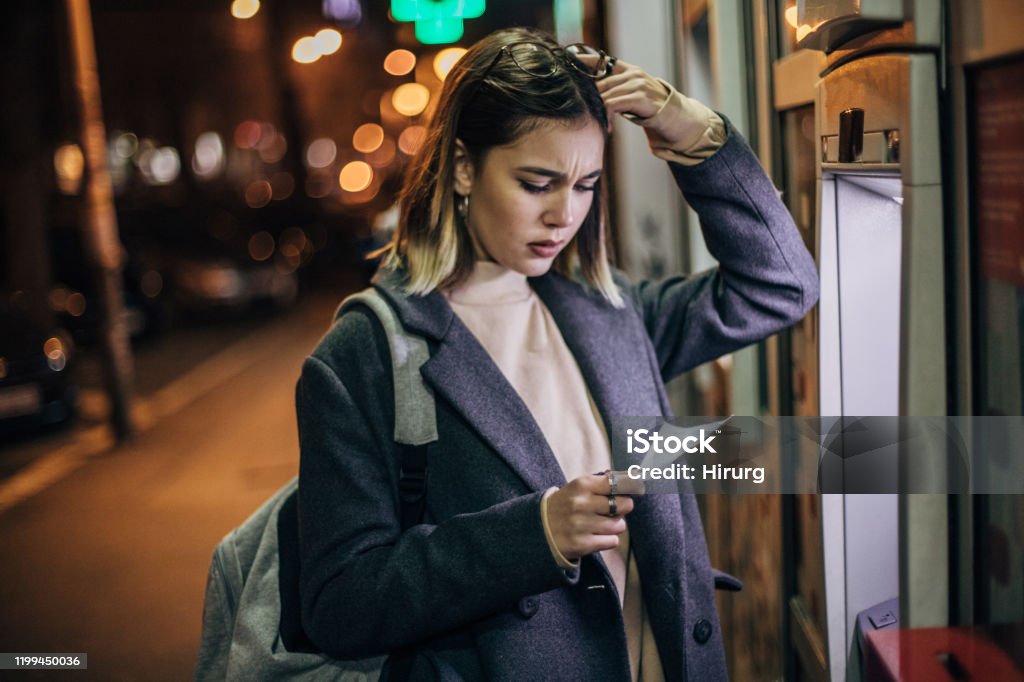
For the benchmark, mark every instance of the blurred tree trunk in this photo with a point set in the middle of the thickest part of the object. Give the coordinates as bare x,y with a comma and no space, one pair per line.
102,246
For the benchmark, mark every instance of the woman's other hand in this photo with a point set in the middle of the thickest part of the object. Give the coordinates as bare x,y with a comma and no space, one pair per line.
578,516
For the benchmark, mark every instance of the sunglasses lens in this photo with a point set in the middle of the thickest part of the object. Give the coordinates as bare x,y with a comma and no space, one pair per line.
587,60
536,60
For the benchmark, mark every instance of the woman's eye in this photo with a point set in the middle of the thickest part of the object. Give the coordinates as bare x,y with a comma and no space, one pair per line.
534,189
586,188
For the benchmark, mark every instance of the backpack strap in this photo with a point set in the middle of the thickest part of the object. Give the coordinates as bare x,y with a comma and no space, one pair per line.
415,411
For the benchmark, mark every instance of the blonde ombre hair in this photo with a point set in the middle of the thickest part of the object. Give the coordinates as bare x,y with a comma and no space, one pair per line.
488,101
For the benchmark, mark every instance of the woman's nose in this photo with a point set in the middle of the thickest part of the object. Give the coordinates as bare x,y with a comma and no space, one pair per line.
559,212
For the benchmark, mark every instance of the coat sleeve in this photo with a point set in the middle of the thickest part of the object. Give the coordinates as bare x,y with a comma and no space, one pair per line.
765,280
366,586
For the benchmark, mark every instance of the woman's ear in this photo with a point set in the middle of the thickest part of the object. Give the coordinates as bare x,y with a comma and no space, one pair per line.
463,180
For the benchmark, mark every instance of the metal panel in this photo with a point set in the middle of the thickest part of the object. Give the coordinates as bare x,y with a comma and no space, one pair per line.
834,22
988,29
795,76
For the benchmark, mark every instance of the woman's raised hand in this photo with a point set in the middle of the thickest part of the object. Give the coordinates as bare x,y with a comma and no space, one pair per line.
628,89
578,516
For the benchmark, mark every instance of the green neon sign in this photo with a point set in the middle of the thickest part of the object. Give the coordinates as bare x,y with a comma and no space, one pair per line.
437,21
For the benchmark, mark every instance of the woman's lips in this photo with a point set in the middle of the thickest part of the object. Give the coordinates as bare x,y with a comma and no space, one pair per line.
548,248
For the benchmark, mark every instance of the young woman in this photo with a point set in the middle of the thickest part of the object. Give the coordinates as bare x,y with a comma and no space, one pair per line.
526,565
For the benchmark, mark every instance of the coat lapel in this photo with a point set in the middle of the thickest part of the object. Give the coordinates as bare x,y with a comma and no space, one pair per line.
463,374
610,349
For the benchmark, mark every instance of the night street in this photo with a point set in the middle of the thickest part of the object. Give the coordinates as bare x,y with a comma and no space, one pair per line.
106,548
799,220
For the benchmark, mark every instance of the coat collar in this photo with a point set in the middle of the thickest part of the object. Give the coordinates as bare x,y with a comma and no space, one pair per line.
607,350
428,315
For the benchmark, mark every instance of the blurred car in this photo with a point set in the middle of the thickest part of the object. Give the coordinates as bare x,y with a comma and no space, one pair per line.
36,387
203,283
73,296
221,270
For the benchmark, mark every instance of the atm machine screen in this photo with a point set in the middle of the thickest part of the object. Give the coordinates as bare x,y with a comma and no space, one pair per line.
868,241
860,261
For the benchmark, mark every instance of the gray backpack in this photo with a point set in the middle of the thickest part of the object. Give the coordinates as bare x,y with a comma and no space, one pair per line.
252,626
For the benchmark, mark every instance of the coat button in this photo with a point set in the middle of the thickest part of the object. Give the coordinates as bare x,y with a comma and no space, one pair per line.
702,631
528,606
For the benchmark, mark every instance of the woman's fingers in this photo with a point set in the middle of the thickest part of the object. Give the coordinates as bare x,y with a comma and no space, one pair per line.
631,90
580,516
618,67
623,505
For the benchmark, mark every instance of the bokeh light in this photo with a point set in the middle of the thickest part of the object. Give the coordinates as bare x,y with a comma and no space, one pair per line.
294,237
399,62
355,176
208,159
446,59
367,137
272,147
802,31
412,139
245,9
258,194
159,166
294,247
345,11
792,14
321,152
75,304
58,298
247,134
68,163
383,155
125,145
261,245
327,41
410,99
305,50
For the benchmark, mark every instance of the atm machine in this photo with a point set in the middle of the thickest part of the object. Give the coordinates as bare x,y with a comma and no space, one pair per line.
881,325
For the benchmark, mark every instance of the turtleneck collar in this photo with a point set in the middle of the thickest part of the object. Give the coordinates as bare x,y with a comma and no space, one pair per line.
490,284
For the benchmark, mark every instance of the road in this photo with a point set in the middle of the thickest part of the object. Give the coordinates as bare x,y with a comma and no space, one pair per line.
105,548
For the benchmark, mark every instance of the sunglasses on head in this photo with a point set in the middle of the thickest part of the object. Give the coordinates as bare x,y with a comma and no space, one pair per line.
542,61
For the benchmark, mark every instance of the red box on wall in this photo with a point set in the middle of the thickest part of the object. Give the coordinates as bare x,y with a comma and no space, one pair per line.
936,654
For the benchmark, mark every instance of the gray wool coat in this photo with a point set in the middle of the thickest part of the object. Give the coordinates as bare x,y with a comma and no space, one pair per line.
475,587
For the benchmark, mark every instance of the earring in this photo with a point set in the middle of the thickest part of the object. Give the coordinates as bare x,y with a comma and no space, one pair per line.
462,206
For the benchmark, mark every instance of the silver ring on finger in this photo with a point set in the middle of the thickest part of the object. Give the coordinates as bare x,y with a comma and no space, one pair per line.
613,506
613,482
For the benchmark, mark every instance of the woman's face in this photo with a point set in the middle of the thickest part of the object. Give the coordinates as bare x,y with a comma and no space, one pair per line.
528,199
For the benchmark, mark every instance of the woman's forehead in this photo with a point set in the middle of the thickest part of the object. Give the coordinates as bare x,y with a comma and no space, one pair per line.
557,145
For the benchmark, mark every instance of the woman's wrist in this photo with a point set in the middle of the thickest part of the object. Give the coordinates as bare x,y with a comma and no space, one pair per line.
560,558
683,129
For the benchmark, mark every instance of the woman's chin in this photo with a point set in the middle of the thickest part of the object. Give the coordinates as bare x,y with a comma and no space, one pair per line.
534,267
